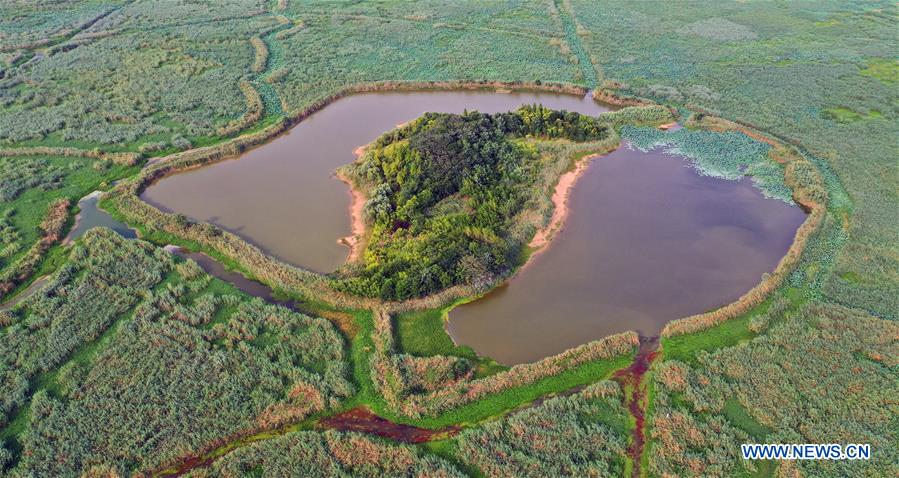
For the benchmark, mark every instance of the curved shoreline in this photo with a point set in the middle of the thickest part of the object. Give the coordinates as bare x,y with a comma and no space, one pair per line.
542,238
78,218
127,204
356,240
560,197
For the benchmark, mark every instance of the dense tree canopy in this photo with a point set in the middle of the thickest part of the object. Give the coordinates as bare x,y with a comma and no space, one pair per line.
444,193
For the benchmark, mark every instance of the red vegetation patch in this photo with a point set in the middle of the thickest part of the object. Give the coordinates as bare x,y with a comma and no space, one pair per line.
631,381
362,420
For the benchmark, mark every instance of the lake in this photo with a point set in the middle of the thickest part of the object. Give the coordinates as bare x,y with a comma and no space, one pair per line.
648,239
283,196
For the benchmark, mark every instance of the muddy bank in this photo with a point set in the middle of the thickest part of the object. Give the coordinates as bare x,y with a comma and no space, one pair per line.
283,195
560,203
356,240
646,239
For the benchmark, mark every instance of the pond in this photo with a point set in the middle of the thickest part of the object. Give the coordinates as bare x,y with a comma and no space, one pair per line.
91,216
283,196
647,240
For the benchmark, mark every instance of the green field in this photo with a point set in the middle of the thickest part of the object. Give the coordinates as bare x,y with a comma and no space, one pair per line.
174,364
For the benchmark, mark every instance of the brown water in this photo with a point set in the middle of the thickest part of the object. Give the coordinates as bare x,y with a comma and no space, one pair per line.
283,196
647,240
216,269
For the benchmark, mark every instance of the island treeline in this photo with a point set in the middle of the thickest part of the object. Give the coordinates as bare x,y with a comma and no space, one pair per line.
446,194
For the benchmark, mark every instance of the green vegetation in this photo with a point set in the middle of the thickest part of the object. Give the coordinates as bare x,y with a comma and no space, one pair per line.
327,454
423,334
584,434
846,115
28,187
18,174
167,358
497,403
396,385
115,83
129,361
810,363
448,198
885,70
687,348
778,67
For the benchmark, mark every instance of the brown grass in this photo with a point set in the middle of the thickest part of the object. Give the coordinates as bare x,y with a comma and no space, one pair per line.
52,227
253,261
607,94
307,284
254,112
126,158
260,59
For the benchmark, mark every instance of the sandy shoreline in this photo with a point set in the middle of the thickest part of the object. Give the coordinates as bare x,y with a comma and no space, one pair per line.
543,236
357,202
560,203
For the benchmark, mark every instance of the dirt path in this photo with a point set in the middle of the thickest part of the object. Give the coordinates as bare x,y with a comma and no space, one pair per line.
631,380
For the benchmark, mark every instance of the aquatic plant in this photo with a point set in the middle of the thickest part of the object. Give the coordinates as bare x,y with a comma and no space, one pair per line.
728,155
783,82
75,76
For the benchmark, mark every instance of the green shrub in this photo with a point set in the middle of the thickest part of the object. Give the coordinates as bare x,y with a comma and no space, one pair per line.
418,244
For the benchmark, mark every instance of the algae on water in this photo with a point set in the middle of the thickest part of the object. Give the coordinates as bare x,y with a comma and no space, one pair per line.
728,155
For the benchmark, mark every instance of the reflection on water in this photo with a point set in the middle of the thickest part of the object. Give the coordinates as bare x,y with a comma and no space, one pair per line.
91,216
648,240
216,269
283,197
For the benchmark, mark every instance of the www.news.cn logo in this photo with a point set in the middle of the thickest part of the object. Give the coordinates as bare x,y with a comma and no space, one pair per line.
806,451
